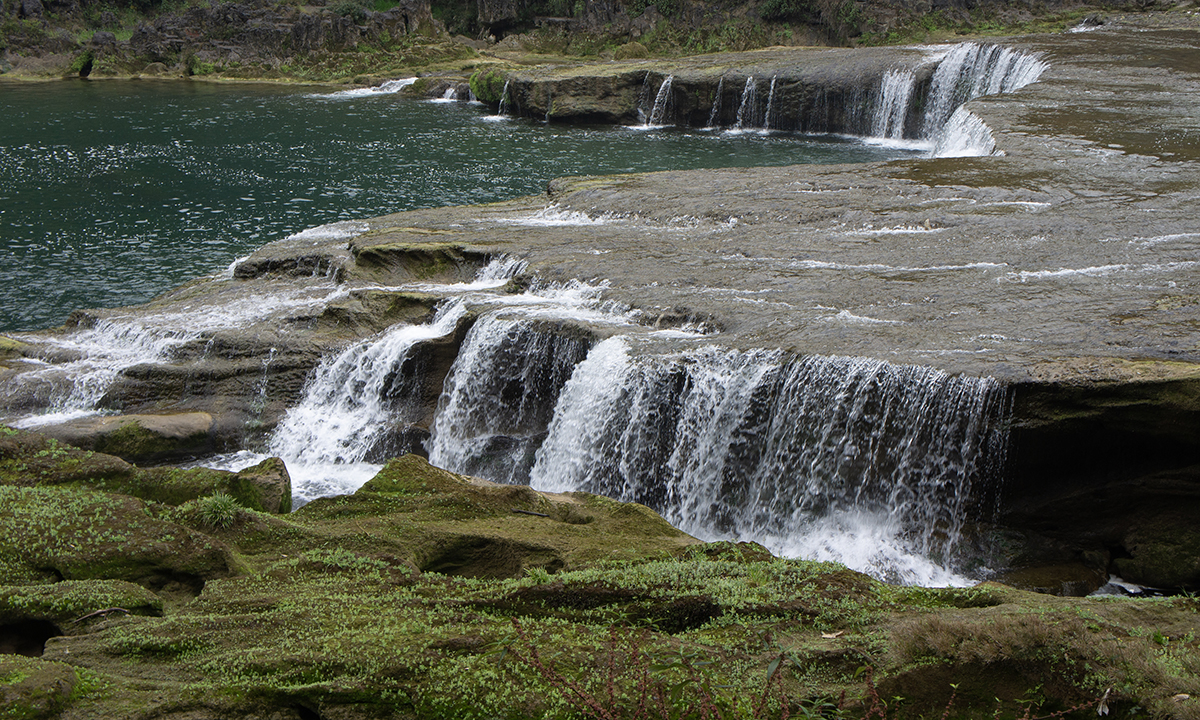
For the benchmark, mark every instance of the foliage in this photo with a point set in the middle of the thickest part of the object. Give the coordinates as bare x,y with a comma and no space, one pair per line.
217,510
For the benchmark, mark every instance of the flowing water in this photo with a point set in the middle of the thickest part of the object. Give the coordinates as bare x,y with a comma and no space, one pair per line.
112,192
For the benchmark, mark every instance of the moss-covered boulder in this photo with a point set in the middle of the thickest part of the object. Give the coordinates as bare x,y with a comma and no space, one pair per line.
74,605
456,525
31,689
140,438
49,534
29,459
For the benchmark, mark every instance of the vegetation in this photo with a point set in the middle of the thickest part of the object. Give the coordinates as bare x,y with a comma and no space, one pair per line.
428,595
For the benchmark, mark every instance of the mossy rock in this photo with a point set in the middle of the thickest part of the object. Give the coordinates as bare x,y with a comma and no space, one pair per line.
452,524
73,605
488,85
30,459
50,534
10,348
631,50
31,688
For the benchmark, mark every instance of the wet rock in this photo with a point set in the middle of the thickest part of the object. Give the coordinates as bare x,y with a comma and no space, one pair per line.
392,256
140,438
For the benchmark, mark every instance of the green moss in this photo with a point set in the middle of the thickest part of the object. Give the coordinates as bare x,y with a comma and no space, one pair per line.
488,85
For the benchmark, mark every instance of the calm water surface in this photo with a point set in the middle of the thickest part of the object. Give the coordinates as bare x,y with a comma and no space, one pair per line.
114,191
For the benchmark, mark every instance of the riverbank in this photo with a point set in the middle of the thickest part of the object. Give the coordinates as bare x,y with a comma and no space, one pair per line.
430,595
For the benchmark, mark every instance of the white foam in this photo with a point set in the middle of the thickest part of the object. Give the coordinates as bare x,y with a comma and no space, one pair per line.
555,216
390,87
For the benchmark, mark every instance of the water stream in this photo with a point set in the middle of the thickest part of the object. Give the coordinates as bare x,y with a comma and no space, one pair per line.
862,461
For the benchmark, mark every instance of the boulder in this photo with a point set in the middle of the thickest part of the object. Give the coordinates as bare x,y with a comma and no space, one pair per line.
139,438
30,459
51,534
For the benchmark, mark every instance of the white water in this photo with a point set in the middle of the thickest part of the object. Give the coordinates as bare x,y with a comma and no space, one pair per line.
662,102
971,70
102,352
965,71
847,459
770,114
390,87
894,96
349,407
715,113
745,113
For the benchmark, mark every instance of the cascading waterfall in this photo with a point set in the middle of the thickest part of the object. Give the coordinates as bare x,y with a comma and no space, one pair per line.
850,459
104,351
971,70
745,113
892,103
770,114
661,103
715,114
964,135
503,109
499,396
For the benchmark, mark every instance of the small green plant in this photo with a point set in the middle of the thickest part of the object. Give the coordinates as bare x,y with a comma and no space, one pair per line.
218,510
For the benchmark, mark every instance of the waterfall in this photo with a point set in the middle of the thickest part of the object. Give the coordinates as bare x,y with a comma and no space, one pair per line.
971,70
770,104
661,102
504,101
964,135
891,104
745,113
714,115
500,395
351,405
847,459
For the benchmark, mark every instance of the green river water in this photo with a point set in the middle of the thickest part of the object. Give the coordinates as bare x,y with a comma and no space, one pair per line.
114,191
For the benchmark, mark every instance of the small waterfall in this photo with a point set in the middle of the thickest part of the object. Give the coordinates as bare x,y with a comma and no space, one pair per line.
891,104
661,102
450,94
745,113
847,459
971,70
770,105
104,352
350,405
504,100
964,135
714,115
500,395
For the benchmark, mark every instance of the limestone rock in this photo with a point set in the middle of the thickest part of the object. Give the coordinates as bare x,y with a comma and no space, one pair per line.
139,438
